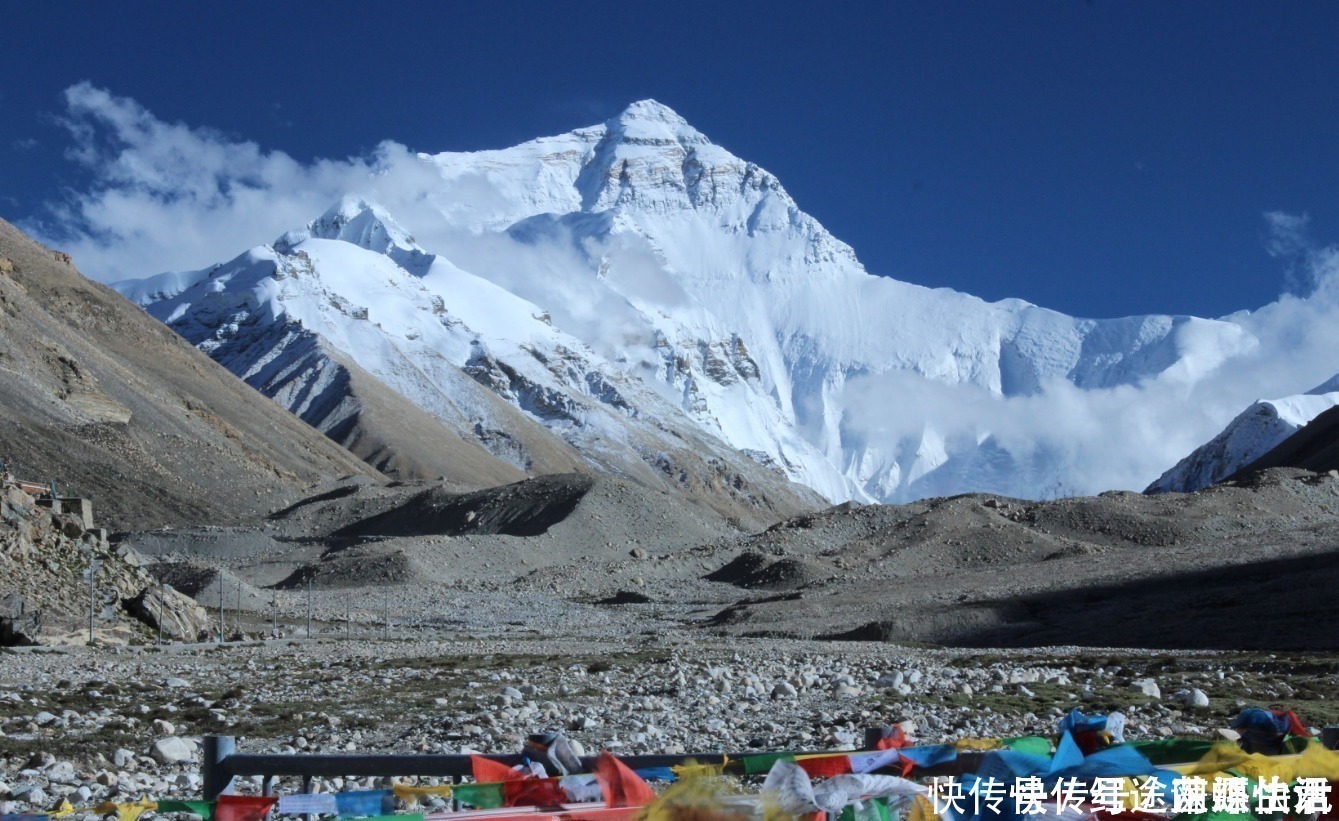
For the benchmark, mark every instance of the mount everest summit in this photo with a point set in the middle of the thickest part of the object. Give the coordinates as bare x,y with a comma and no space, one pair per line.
633,298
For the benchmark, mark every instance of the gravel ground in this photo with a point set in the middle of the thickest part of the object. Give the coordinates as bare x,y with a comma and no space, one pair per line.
95,723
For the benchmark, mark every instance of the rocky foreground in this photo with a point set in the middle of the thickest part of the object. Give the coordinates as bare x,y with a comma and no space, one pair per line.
90,724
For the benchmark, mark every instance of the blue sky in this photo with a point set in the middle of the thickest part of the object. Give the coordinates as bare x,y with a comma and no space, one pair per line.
1099,158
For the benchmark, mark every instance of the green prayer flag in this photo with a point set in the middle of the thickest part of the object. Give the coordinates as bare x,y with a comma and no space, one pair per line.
1030,744
872,809
204,809
1172,750
761,764
480,796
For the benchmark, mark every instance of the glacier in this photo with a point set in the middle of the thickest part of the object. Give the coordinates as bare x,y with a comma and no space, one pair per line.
632,278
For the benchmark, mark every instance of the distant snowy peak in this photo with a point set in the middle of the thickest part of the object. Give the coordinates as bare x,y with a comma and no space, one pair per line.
651,123
633,278
353,288
367,225
1252,434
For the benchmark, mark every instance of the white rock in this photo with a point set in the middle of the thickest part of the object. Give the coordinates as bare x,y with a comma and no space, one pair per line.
1193,698
172,750
31,794
1147,686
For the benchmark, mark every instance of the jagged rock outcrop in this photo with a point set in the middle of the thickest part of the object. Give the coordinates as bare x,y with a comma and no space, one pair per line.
180,616
44,593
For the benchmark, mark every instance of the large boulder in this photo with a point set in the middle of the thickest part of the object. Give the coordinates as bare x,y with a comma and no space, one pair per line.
15,505
19,624
172,750
182,617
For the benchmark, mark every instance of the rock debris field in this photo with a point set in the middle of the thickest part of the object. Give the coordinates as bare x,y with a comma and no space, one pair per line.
446,622
90,724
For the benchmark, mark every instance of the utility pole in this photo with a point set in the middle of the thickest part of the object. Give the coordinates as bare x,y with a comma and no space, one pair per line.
386,614
348,623
93,565
239,607
223,626
161,596
274,614
309,607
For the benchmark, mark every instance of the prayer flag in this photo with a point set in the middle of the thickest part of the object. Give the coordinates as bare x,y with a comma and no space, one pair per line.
488,771
824,766
621,786
363,803
243,807
533,792
204,809
411,796
480,796
126,812
321,803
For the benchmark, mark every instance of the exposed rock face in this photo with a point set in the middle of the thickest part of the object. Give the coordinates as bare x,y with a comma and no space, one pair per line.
44,594
18,624
111,405
180,616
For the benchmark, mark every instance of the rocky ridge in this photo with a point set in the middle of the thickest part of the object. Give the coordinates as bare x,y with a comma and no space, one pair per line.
44,596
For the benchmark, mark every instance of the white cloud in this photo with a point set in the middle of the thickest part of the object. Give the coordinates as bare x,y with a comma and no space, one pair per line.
166,196
1084,441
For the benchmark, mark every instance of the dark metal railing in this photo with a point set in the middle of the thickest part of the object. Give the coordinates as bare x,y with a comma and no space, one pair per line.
222,763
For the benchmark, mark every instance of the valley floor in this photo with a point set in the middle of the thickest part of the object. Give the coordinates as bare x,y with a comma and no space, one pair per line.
94,723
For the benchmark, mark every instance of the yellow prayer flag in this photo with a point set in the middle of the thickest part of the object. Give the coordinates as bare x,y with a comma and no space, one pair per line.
412,795
971,744
127,812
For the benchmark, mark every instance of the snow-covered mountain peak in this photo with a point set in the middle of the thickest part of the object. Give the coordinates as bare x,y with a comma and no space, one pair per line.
648,122
662,264
359,221
1330,385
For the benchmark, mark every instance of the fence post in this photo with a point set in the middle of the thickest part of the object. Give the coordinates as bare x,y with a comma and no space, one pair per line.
216,752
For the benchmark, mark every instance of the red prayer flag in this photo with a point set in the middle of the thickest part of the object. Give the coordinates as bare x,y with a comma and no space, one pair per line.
621,786
1295,725
532,792
488,771
825,766
243,807
894,739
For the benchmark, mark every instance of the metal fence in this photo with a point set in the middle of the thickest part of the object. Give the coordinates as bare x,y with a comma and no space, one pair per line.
222,763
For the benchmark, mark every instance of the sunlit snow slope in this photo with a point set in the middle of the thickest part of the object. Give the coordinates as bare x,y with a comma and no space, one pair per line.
1251,435
631,278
